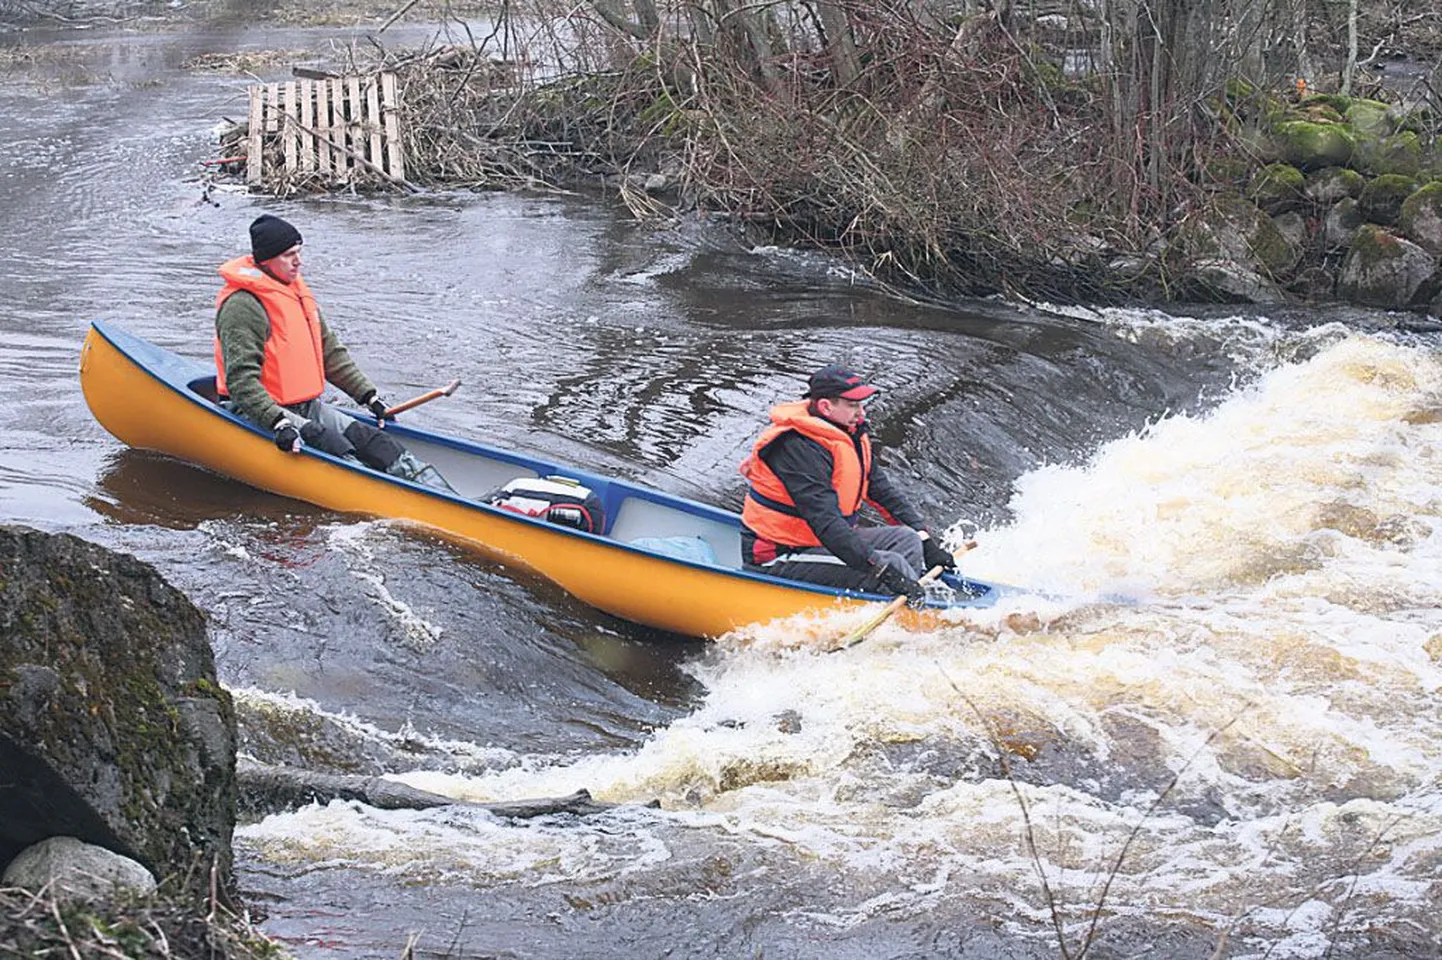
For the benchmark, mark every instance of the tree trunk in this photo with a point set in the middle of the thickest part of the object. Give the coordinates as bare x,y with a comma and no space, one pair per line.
1351,66
265,789
840,44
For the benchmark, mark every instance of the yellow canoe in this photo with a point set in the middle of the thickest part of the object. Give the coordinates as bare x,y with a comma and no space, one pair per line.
153,399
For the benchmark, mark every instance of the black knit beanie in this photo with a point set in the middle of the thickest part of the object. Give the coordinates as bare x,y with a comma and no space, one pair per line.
270,237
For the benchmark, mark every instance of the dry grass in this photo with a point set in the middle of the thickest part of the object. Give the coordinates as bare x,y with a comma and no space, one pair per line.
38,925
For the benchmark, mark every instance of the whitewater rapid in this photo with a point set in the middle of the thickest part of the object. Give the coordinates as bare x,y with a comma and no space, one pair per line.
1214,703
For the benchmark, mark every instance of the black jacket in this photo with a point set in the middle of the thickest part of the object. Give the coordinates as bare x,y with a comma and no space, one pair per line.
804,467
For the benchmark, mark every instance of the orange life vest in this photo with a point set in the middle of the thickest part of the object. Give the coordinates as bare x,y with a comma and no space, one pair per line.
769,511
293,369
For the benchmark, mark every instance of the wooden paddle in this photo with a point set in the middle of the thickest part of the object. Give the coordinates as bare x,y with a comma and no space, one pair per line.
426,397
864,631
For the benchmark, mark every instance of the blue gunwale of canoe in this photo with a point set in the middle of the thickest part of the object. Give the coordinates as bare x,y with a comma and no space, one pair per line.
186,377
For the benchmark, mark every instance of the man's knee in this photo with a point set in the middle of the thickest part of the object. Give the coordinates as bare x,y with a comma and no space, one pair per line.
318,435
375,448
900,561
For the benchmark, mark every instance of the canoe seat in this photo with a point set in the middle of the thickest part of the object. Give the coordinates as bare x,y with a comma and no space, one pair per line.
695,549
204,387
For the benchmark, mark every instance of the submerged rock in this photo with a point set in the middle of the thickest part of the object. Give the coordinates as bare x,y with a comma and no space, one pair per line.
113,729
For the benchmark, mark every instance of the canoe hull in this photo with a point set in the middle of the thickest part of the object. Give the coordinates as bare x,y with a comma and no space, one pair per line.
138,393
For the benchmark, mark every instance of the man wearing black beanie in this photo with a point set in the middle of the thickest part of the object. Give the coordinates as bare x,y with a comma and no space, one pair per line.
274,354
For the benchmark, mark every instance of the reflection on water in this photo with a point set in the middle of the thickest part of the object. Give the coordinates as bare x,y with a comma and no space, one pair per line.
141,487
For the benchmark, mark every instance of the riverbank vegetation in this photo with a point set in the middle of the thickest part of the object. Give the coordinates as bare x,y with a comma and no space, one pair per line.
42,925
1137,150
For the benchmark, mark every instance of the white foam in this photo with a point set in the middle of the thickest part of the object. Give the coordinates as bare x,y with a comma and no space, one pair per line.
1278,656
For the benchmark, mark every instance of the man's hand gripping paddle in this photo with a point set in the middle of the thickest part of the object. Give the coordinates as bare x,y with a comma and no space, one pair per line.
426,397
864,631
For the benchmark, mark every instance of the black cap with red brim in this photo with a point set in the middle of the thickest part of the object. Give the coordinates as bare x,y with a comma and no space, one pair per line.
834,380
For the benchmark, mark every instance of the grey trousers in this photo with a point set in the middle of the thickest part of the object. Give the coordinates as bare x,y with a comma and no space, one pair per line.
899,546
322,413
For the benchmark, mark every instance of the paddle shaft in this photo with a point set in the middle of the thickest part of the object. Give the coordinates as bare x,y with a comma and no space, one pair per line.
895,604
426,397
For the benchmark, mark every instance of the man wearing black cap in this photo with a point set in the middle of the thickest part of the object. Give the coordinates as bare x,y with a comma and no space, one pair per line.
808,474
274,354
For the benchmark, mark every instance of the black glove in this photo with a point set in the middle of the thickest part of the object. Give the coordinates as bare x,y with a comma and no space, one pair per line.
892,580
936,556
287,437
377,406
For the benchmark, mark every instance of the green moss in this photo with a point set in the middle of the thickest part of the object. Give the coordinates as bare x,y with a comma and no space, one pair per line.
1272,248
1276,183
1226,169
1382,198
1310,146
1239,89
1398,154
1369,257
1331,184
1369,118
1333,101
1321,113
1421,217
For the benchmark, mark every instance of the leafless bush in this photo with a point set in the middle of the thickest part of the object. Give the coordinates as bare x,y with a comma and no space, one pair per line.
991,149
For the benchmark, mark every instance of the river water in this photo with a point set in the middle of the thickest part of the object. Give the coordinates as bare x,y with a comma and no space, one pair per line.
1210,727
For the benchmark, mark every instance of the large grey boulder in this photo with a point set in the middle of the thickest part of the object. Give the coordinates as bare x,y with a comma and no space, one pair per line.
1421,218
113,729
1341,223
1331,184
1234,230
66,868
1223,281
1383,270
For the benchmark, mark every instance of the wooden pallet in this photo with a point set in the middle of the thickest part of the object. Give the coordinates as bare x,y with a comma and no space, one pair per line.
325,129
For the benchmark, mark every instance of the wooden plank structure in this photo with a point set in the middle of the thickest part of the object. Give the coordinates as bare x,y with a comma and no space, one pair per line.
325,131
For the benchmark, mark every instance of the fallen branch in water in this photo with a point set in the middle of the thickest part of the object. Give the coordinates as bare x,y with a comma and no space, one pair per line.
265,788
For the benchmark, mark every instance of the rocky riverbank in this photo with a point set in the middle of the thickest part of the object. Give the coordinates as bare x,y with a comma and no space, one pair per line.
118,746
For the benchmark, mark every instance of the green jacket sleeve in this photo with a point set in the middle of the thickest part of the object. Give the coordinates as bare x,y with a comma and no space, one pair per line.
243,328
340,369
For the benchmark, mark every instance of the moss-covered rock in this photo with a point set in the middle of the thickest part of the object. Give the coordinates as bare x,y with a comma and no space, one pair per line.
1331,184
1400,153
1383,270
1227,170
1410,117
1421,218
1369,118
112,727
1321,113
1276,186
1381,199
1311,146
1335,101
1235,230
